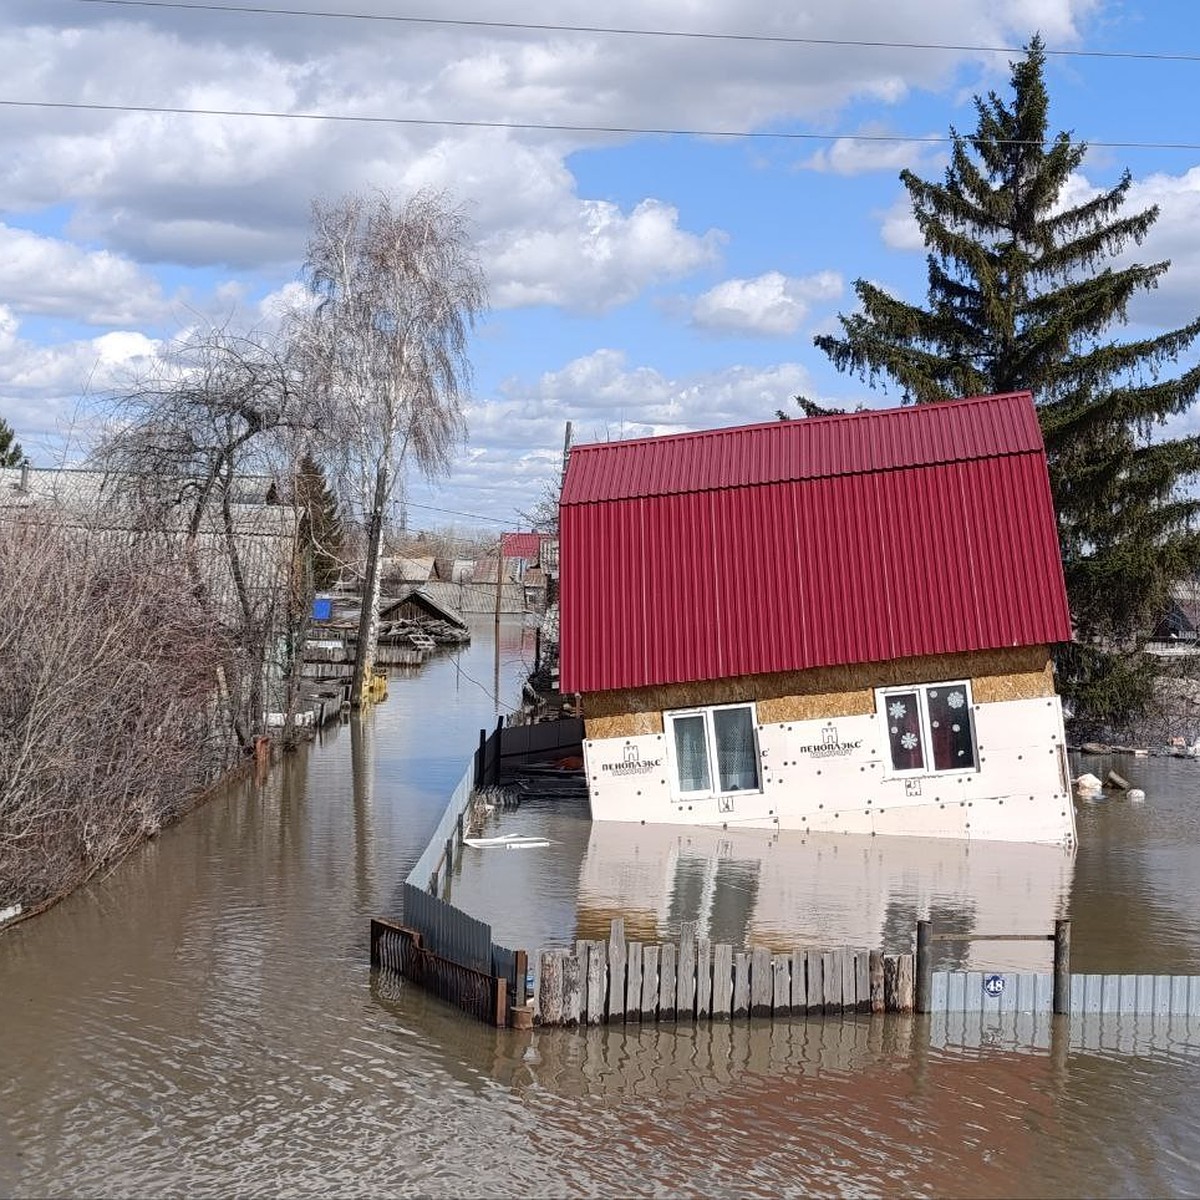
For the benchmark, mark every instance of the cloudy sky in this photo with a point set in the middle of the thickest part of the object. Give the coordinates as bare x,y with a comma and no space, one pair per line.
639,282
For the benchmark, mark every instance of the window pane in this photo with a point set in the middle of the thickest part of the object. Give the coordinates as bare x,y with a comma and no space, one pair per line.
950,728
691,754
904,731
737,760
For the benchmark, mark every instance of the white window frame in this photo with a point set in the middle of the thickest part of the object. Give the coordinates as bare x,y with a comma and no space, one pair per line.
710,746
883,695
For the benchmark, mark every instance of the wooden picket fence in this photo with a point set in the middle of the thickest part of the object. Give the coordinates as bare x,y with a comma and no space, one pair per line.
696,980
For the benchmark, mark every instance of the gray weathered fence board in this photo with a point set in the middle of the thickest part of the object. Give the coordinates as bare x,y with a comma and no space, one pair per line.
685,978
722,979
813,964
616,970
862,981
633,980
550,988
572,1001
781,1001
849,992
761,982
703,977
667,956
597,981
741,984
799,983
831,974
649,982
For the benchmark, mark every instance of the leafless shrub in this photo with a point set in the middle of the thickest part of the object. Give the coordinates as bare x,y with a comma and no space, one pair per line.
108,670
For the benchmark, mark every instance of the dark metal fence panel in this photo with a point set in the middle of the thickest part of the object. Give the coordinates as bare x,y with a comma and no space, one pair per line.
513,966
519,744
399,949
447,931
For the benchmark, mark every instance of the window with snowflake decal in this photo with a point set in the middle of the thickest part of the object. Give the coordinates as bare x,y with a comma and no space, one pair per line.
929,728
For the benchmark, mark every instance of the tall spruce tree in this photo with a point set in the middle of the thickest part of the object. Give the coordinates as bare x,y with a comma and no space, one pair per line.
322,521
11,454
1023,293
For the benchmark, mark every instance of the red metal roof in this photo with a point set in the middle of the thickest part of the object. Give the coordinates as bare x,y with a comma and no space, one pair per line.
521,545
797,544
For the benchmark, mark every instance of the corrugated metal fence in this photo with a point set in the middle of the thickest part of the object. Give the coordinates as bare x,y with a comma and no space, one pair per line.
996,992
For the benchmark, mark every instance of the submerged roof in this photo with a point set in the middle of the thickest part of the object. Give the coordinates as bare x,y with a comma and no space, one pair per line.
816,542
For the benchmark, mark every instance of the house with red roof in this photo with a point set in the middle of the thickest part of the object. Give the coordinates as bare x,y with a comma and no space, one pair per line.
836,623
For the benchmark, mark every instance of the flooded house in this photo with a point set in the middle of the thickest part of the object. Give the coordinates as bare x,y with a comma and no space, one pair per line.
837,624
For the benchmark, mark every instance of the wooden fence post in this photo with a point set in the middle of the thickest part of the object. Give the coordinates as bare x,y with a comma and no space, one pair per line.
550,988
762,982
571,1000
1062,967
876,969
703,978
685,979
667,957
722,976
616,970
633,981
521,970
741,984
924,982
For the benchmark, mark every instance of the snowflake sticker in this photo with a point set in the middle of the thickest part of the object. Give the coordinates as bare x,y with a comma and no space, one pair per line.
897,710
909,741
955,699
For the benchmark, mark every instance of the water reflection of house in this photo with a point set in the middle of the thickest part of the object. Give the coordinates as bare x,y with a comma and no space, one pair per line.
747,886
886,669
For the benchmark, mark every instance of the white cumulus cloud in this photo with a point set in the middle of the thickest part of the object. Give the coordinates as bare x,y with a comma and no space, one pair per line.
771,305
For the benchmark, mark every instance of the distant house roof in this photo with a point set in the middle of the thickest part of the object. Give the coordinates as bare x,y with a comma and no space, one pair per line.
411,570
418,602
807,543
522,545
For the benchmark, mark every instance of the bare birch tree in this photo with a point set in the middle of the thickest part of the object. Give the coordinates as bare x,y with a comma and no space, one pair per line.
398,290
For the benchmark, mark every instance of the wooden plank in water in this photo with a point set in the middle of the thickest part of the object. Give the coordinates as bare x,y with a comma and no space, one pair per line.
550,987
905,977
666,981
703,978
649,1001
722,980
762,983
633,981
597,978
799,983
814,965
862,981
616,970
849,982
571,983
831,976
741,984
875,971
685,976
781,1001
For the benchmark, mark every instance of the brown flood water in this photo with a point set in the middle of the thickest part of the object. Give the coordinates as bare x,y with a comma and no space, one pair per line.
203,1020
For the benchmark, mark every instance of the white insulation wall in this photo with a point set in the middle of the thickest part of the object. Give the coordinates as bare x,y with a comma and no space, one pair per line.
833,775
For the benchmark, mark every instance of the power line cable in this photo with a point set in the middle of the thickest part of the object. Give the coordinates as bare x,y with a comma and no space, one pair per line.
548,127
630,31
